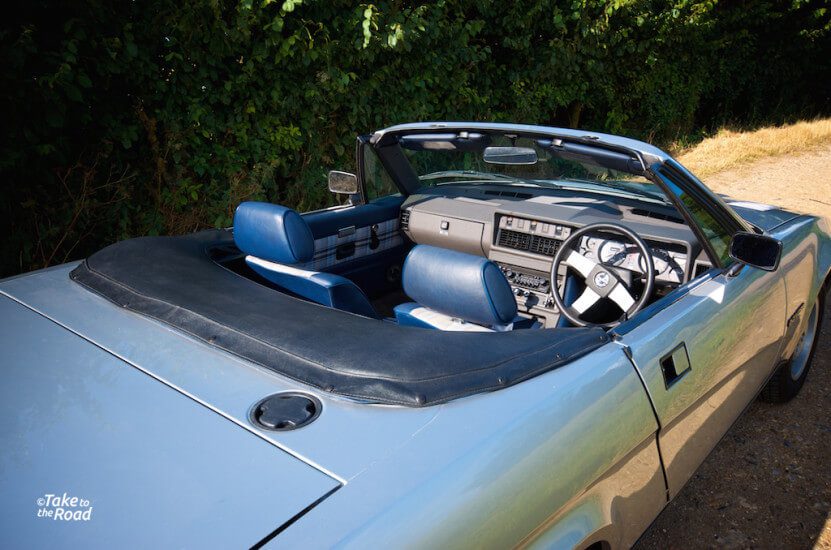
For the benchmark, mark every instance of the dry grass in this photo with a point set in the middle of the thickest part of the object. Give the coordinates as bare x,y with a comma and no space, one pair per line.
729,149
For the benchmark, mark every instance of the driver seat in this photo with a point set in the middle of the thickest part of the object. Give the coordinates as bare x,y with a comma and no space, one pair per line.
275,239
455,291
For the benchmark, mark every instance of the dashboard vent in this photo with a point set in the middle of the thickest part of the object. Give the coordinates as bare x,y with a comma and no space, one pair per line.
545,246
404,220
656,215
514,194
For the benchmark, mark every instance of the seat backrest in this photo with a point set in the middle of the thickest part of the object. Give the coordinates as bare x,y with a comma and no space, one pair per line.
276,238
455,291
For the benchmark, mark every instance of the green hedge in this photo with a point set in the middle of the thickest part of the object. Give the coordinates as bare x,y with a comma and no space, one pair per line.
159,117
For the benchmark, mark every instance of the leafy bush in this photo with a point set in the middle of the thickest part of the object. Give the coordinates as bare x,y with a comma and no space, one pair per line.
159,117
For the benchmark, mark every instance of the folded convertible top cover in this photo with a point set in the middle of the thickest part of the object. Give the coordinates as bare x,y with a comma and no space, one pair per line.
174,280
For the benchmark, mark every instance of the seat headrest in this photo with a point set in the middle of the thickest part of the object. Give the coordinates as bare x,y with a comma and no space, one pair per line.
460,285
273,232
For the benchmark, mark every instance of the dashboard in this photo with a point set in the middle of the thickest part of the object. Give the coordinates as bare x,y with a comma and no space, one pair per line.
521,231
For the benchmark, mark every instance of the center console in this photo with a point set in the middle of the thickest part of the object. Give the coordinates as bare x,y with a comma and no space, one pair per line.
536,238
530,288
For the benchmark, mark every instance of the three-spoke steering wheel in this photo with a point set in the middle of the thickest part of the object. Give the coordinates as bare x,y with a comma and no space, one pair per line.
602,281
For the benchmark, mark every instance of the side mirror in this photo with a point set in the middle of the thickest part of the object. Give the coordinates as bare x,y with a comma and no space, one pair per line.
343,183
510,155
756,250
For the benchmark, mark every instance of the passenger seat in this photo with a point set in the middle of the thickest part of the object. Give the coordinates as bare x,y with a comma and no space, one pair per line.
276,239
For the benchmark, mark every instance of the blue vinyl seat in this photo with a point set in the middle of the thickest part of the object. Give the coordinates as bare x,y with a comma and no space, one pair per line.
455,291
275,239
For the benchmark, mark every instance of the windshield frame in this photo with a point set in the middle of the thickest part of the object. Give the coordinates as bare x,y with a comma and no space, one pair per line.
387,146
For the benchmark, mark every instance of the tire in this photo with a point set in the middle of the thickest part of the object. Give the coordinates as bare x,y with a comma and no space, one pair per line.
788,379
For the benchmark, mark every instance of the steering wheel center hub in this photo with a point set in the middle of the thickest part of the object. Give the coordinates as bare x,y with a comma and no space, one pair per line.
602,279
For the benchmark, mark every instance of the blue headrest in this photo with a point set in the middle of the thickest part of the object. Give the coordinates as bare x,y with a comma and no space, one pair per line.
460,285
273,232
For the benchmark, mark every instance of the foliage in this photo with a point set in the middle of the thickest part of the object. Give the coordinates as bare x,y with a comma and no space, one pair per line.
125,119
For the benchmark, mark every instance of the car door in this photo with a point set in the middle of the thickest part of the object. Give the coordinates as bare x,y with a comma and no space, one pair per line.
362,240
706,354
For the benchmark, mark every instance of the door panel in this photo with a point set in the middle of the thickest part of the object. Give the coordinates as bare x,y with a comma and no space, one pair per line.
361,242
731,329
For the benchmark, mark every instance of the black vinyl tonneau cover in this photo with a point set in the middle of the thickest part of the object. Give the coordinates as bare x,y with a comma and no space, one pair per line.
174,280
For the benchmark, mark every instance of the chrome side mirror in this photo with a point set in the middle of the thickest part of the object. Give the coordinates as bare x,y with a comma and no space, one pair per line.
343,183
756,250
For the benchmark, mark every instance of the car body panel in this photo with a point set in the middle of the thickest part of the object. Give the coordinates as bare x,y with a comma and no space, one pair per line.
336,443
761,215
157,468
731,354
804,266
575,443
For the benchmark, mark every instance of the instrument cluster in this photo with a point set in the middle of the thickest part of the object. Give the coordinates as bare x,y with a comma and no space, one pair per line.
670,265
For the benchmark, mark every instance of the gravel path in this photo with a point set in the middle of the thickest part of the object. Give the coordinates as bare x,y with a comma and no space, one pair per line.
801,183
768,483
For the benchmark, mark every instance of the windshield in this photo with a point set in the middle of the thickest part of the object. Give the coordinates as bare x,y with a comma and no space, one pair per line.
471,159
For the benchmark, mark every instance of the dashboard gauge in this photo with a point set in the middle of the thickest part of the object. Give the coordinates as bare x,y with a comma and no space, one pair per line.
614,253
627,256
660,260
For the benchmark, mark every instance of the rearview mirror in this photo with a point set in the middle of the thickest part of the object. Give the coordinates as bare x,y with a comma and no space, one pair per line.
510,155
343,183
756,250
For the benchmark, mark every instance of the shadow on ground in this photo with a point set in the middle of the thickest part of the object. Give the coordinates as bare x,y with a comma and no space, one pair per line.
768,483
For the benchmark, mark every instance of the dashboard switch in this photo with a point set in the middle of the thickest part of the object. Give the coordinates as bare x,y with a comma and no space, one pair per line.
445,225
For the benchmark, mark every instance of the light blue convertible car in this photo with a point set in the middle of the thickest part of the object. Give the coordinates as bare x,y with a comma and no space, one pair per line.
510,336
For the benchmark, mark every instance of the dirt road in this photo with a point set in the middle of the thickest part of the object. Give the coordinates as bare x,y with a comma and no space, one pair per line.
768,483
800,183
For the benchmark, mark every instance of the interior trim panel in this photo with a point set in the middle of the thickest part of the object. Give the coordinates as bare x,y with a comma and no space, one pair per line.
521,231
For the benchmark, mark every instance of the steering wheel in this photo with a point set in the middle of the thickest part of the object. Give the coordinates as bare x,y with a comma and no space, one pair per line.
602,281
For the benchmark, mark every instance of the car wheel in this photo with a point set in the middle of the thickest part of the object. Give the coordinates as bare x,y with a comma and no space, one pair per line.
789,377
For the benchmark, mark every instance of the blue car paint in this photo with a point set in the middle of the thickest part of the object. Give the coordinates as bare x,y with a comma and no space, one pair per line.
157,468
